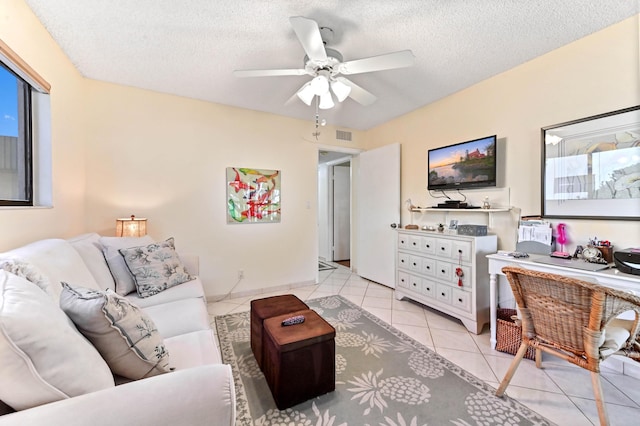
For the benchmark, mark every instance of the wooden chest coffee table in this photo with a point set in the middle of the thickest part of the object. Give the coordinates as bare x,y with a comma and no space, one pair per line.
299,360
268,307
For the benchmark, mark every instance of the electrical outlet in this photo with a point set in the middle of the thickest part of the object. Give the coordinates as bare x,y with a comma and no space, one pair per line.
240,274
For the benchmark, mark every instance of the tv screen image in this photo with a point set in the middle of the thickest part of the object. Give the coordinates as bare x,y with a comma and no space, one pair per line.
470,164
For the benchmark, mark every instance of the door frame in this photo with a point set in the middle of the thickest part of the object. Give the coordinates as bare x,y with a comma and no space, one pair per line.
331,195
354,153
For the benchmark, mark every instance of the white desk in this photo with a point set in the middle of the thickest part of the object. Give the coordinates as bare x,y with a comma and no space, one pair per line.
609,277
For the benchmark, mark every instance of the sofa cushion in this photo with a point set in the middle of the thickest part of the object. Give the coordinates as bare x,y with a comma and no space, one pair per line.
125,336
57,260
43,358
155,267
89,248
125,283
193,349
190,289
179,317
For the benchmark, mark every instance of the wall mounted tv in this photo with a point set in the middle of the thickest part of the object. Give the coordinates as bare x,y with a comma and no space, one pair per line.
470,164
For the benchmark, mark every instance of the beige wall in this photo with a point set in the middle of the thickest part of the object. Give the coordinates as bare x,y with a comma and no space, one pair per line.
27,37
593,75
164,157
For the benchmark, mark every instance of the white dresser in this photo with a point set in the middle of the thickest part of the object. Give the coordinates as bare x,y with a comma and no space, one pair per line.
426,272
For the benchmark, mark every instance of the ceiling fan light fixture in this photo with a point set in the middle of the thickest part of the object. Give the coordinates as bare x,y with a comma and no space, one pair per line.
340,89
320,85
326,101
306,93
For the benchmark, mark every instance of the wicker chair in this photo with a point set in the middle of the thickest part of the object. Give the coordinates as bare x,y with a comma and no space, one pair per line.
574,320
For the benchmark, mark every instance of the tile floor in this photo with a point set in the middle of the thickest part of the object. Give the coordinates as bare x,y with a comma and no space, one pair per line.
561,391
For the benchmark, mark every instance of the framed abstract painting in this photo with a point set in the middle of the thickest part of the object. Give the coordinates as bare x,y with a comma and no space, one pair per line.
253,195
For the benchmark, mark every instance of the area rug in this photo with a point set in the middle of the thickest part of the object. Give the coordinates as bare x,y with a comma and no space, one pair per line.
324,266
383,377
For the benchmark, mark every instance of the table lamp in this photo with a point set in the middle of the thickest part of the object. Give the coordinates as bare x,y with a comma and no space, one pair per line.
131,227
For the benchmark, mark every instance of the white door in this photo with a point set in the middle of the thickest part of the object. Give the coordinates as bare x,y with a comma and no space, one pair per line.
341,212
378,213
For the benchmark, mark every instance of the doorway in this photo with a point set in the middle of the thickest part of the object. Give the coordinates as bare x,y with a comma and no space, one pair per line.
334,207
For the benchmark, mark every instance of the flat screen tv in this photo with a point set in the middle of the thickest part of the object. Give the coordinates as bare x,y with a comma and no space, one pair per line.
470,164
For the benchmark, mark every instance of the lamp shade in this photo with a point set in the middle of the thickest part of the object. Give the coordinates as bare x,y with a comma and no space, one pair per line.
306,93
340,89
326,101
131,227
320,83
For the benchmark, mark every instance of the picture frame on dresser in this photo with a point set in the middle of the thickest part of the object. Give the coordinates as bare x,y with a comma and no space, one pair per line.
591,167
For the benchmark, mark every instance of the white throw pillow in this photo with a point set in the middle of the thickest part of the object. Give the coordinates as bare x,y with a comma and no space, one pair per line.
125,283
42,357
125,336
155,267
89,248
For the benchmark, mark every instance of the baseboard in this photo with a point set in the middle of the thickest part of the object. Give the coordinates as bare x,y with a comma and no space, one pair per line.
258,291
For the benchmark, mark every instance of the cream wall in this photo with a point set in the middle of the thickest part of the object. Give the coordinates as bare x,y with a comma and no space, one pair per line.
164,157
27,37
594,75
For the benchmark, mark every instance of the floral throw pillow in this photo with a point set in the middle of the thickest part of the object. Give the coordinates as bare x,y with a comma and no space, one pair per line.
155,267
123,334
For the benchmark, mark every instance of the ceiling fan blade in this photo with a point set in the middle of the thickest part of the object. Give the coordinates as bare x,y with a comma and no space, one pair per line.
358,94
389,61
268,73
309,35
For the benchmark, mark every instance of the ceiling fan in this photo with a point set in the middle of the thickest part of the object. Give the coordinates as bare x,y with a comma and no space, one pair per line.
326,66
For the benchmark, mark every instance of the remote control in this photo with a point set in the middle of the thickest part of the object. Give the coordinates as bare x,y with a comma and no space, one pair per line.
518,254
298,319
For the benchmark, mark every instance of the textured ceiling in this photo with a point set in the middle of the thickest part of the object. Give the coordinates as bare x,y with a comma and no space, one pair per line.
191,47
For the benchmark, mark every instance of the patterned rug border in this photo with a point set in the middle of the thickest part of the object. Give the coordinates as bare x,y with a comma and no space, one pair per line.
242,404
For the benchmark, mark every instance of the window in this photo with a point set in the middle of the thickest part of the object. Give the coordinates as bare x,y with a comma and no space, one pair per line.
16,176
25,133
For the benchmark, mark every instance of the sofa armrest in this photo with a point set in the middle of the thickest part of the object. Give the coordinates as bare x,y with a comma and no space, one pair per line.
191,263
203,395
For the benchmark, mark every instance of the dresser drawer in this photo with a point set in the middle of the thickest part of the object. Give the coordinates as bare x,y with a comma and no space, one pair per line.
443,293
403,242
429,288
461,251
403,279
444,271
403,260
428,245
415,263
415,283
443,248
414,242
461,299
428,266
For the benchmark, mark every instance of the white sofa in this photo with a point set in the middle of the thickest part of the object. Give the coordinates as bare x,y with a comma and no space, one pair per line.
198,391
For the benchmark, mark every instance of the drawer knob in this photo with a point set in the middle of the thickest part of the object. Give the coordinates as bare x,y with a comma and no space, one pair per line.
415,264
442,294
460,300
442,271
